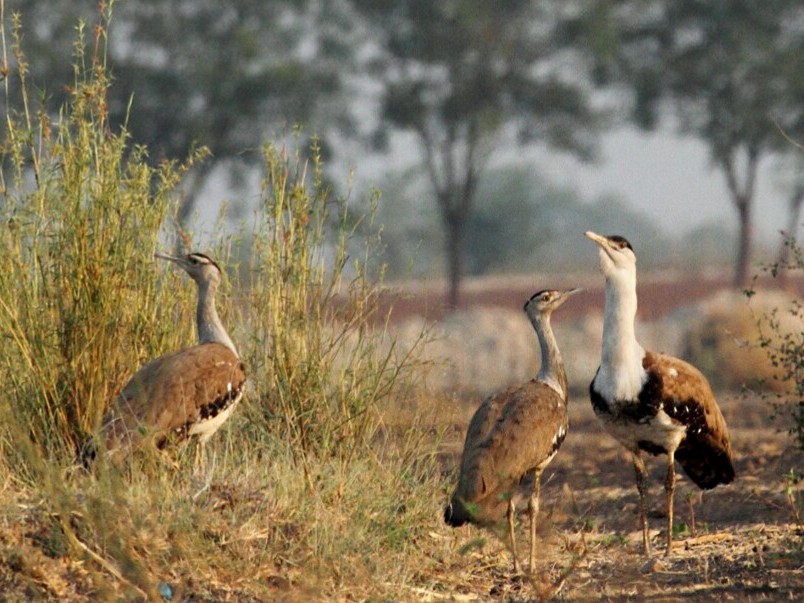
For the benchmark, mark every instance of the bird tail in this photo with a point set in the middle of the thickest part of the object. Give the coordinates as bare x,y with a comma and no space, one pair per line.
456,513
86,452
707,470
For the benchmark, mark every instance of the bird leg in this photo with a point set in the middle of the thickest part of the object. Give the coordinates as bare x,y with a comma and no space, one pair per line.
533,511
642,485
512,540
200,469
199,459
670,486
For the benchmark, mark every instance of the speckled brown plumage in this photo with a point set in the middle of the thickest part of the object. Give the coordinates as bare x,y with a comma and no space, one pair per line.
684,394
705,452
511,438
175,392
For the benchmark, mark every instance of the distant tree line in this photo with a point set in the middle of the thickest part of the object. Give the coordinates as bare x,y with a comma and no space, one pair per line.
465,78
523,222
731,72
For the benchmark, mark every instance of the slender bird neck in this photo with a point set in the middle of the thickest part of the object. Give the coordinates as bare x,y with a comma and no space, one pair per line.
621,375
620,345
552,370
210,328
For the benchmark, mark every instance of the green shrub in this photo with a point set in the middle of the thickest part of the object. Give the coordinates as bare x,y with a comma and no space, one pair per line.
82,213
301,489
785,350
324,367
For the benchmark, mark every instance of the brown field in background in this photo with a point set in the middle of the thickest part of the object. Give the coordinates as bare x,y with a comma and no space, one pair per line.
658,294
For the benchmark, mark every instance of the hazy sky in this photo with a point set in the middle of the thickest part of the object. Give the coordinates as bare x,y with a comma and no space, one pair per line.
669,178
660,174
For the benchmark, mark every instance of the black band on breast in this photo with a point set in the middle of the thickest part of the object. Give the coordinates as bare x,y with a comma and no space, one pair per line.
641,410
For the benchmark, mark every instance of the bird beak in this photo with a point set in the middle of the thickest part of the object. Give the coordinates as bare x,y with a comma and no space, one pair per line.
170,258
600,240
567,293
165,256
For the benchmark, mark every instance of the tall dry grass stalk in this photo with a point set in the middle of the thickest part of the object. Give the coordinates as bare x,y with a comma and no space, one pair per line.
304,490
81,211
312,307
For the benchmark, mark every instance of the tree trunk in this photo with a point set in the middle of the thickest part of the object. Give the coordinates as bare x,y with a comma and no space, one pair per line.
455,233
742,196
746,234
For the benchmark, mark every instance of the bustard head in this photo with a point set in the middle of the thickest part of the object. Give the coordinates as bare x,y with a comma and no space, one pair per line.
201,268
616,254
547,300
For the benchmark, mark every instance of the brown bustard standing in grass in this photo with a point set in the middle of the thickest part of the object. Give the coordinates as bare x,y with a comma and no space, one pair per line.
513,436
650,401
190,392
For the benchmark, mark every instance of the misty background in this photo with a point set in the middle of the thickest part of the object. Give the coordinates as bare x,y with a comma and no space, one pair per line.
495,133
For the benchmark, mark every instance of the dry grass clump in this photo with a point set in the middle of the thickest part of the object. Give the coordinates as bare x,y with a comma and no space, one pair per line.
478,350
721,339
306,491
80,209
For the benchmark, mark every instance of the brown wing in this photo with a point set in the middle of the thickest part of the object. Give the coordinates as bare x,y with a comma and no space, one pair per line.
512,434
172,392
705,453
483,421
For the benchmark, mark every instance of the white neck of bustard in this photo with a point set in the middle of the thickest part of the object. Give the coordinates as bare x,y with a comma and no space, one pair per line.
552,370
621,355
210,327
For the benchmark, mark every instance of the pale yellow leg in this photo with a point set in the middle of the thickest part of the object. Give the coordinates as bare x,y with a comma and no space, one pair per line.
511,538
533,511
642,485
670,486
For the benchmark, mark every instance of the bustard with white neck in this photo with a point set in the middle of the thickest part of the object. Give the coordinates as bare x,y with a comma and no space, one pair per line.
513,436
190,392
653,402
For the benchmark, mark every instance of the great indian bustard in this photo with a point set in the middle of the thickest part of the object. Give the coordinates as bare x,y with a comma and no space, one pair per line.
190,392
651,401
513,436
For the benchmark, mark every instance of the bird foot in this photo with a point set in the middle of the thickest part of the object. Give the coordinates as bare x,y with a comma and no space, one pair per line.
202,487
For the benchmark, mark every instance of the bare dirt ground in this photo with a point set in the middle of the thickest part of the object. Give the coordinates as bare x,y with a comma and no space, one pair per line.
747,544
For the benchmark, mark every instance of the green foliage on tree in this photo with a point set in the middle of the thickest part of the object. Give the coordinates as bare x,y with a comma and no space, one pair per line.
466,77
730,72
522,223
196,73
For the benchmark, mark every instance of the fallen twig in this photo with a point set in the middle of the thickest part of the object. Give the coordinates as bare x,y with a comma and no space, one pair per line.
707,539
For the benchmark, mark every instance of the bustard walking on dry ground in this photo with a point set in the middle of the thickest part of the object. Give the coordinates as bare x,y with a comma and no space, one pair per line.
513,436
190,392
650,401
